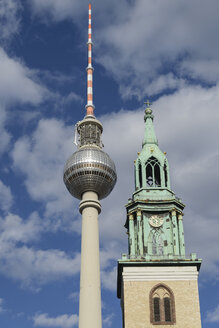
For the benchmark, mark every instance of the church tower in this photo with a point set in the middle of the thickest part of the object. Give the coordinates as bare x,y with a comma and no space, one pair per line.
157,282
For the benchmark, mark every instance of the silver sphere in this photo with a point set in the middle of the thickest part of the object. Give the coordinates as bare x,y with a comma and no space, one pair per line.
90,169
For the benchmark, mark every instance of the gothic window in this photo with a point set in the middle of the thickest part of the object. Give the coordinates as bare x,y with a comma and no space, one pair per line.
156,305
153,172
165,174
149,174
162,306
167,309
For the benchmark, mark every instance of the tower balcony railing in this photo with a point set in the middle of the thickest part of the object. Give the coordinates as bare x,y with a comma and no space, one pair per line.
167,257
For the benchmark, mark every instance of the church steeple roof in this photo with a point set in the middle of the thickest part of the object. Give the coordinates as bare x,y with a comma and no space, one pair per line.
152,176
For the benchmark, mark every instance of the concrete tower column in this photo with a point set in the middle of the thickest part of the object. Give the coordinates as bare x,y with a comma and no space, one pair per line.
90,293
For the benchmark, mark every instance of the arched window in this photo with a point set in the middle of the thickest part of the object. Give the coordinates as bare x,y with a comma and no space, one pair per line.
162,305
156,305
167,309
149,174
153,172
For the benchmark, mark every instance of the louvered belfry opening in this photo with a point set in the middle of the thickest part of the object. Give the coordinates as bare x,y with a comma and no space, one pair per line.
153,172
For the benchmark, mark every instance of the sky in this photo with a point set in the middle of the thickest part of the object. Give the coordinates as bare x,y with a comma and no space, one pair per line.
165,51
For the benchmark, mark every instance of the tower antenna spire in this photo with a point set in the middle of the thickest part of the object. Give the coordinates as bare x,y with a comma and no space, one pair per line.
90,105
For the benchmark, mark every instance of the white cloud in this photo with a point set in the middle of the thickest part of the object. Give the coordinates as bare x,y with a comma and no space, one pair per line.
63,321
152,36
30,266
147,46
108,253
26,116
5,136
56,9
213,316
18,85
201,237
14,229
6,198
161,83
9,18
107,320
46,152
17,82
71,97
187,124
33,268
62,101
109,278
203,68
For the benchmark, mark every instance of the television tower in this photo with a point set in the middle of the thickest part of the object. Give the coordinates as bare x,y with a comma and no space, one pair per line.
90,175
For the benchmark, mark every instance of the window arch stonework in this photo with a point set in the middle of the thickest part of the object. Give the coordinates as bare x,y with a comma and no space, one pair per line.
162,306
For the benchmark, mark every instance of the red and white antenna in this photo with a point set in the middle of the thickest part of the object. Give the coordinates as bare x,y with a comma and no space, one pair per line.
89,106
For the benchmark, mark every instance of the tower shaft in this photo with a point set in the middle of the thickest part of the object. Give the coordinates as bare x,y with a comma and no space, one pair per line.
90,293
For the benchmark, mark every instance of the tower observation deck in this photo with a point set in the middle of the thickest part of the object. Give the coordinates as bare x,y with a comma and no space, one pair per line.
90,175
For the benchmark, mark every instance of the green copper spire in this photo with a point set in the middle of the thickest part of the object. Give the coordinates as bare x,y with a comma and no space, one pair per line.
154,213
149,136
151,166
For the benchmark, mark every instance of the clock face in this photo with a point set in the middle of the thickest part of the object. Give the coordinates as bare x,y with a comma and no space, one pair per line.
156,221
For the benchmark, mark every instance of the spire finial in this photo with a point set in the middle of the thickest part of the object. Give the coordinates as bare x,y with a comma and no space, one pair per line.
148,103
148,108
89,106
149,137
